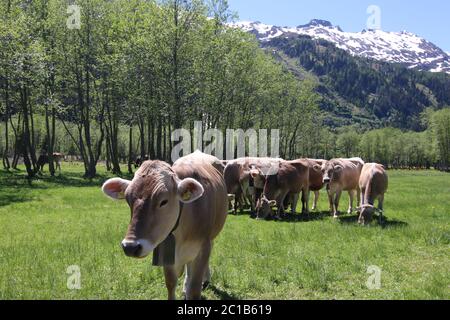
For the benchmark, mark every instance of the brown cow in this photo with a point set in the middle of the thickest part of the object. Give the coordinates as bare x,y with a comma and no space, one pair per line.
292,177
342,175
316,178
45,159
177,211
374,184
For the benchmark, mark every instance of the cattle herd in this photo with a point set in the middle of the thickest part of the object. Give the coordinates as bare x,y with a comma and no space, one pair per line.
178,211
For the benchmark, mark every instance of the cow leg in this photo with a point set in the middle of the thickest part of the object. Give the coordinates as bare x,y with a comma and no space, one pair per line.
358,195
305,204
280,206
207,278
316,199
336,203
362,197
294,203
196,273
331,201
351,195
380,207
171,277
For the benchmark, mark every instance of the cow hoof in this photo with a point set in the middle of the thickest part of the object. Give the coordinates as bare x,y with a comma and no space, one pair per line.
335,216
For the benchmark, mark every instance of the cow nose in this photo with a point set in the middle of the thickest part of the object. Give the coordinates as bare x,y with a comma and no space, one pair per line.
326,180
132,249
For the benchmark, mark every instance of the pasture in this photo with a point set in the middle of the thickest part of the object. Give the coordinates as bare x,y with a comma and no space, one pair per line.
64,221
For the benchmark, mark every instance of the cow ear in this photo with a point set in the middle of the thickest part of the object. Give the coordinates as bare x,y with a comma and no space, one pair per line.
338,168
115,188
317,168
190,190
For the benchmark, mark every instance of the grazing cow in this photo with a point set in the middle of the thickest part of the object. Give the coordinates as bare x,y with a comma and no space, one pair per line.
373,184
342,175
292,177
242,183
44,159
176,212
316,178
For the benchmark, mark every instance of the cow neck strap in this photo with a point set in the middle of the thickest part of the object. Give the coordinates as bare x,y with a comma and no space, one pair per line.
178,219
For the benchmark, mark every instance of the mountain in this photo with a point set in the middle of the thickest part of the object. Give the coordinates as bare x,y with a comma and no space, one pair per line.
358,90
404,48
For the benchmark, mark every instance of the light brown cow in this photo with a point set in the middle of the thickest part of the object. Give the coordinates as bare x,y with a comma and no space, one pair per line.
374,184
316,178
240,182
342,175
186,202
292,177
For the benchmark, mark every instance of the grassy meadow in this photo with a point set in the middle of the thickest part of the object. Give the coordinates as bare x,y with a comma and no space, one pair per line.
64,221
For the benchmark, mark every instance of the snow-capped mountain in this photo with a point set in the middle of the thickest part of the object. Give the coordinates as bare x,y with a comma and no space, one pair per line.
396,47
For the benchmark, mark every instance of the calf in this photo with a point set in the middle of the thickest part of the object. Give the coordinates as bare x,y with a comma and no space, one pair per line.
292,177
177,211
373,184
44,159
342,175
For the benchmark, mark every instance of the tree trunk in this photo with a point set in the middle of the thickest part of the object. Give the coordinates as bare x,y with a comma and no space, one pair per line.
150,136
50,142
130,150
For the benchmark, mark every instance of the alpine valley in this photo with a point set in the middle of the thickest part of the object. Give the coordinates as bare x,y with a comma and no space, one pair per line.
372,78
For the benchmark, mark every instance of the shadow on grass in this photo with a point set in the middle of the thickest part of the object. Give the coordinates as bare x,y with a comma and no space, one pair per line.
386,223
289,217
223,295
303,217
68,179
9,198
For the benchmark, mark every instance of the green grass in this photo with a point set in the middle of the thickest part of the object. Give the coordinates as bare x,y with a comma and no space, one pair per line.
67,221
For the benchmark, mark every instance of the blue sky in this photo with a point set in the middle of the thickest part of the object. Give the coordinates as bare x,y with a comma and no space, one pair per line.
429,19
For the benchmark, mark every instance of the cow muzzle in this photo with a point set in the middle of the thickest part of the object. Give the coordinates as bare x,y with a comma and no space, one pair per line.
132,249
326,180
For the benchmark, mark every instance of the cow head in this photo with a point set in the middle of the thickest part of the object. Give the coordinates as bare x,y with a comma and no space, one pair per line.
154,198
264,208
331,171
366,214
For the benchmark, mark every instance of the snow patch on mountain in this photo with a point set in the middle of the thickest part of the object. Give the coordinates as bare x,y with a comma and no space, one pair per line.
396,47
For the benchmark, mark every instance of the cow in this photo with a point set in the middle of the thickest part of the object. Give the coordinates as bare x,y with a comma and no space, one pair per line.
316,179
140,160
373,184
44,159
342,175
241,182
177,212
292,177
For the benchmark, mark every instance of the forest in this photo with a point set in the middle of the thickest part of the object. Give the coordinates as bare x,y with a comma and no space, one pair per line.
109,81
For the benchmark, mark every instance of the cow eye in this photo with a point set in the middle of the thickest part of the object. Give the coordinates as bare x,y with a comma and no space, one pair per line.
164,203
